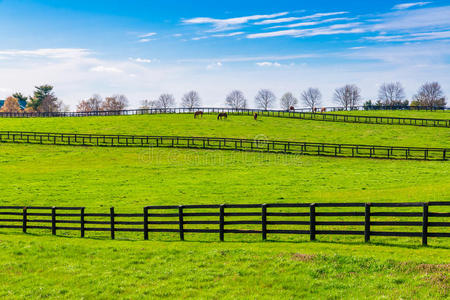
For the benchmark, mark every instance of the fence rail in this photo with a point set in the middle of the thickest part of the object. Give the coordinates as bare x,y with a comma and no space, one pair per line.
291,219
297,114
216,143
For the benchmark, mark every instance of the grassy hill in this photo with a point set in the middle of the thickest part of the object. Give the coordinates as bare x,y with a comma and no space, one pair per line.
333,267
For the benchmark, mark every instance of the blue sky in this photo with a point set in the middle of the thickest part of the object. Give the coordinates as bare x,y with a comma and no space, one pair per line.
144,48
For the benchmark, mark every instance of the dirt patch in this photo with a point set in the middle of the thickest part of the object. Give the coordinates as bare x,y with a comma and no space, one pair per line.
303,257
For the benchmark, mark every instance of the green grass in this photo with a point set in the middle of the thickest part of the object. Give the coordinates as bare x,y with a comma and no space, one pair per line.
420,114
334,267
56,267
240,127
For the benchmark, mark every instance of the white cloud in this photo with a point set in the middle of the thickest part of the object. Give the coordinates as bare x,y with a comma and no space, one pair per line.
177,35
312,23
231,23
268,64
250,58
61,53
146,35
215,65
349,28
103,69
425,36
141,60
228,34
276,21
409,5
320,15
198,38
145,40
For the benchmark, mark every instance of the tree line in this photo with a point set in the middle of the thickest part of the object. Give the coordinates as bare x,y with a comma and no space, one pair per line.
430,94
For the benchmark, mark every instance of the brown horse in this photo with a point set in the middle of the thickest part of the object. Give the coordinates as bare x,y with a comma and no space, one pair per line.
323,109
291,108
198,113
222,115
255,116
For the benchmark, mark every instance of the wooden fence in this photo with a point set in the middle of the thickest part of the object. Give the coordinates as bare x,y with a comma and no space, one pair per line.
303,148
268,113
300,219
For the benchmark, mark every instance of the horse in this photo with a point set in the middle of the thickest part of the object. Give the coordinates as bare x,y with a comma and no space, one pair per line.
255,116
291,108
314,109
323,109
222,115
198,113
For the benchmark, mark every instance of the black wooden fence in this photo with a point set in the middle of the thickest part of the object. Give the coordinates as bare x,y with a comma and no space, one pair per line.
264,219
304,148
268,113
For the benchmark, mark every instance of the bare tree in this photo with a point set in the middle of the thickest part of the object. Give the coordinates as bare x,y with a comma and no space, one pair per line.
166,101
115,103
311,97
265,99
236,100
287,101
10,105
190,100
149,104
430,94
94,103
348,96
391,94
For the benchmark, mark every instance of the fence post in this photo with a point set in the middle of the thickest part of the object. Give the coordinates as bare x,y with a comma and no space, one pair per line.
367,223
53,220
312,222
180,221
111,213
221,221
425,225
82,222
145,223
264,221
24,220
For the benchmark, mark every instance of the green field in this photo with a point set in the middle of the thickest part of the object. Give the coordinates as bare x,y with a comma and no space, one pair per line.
239,127
420,114
334,267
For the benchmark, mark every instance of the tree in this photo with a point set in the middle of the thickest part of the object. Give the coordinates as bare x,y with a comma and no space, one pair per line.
236,100
265,99
149,104
347,96
42,92
190,100
92,104
430,94
115,103
11,105
391,94
287,101
19,96
311,97
166,101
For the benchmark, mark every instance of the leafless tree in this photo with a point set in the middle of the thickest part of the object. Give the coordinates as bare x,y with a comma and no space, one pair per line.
190,100
347,96
430,94
288,100
115,103
50,103
149,104
94,103
236,100
265,99
311,97
391,94
166,101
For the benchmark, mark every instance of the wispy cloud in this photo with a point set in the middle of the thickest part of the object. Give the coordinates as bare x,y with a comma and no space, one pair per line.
146,35
321,15
215,65
251,58
409,5
68,53
105,69
276,21
312,23
425,36
268,64
228,34
140,60
231,23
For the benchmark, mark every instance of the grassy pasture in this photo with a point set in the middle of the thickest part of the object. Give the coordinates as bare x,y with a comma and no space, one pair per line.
334,267
420,114
239,127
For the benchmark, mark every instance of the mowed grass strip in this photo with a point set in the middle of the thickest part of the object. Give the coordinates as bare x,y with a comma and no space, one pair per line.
239,127
55,267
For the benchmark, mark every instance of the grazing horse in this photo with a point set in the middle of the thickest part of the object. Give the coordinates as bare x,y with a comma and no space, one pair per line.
323,109
222,115
291,108
255,116
198,113
314,109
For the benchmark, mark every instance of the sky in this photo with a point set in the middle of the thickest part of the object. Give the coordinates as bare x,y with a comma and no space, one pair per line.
145,48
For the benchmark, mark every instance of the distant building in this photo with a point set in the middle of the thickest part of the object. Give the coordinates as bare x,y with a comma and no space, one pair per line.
22,104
